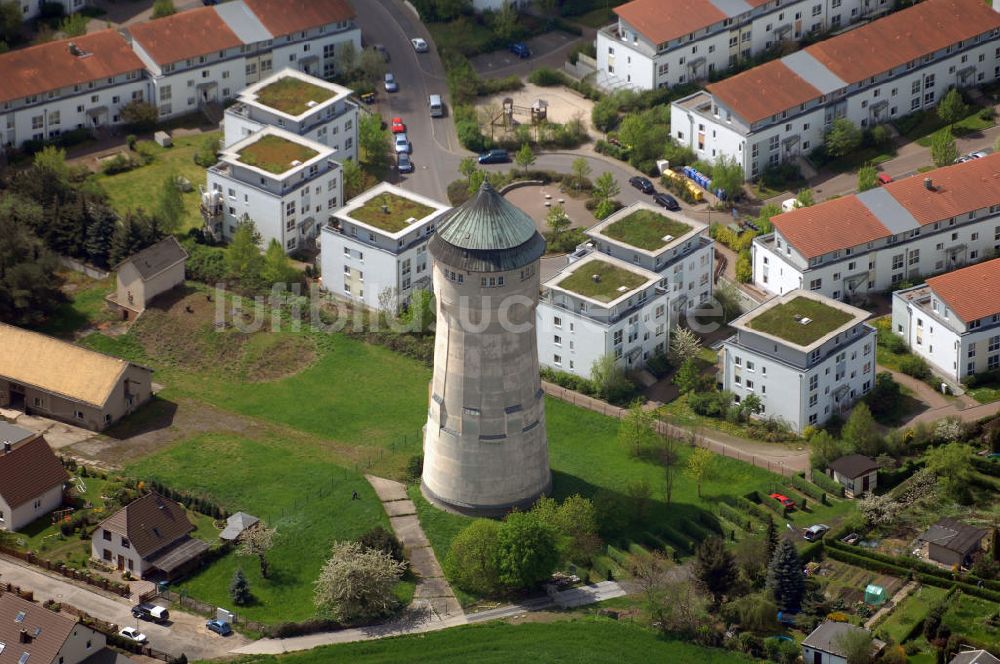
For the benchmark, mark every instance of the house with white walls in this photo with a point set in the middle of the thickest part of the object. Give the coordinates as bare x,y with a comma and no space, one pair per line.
33,8
953,320
34,634
31,478
781,110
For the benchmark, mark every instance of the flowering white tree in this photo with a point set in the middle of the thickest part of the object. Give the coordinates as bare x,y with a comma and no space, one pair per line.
257,541
357,582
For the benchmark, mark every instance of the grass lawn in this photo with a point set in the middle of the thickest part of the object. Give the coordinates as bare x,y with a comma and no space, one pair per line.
275,154
43,537
296,488
986,393
464,35
859,158
612,283
922,126
646,229
85,305
595,18
785,320
292,95
139,188
967,615
396,215
573,641
913,610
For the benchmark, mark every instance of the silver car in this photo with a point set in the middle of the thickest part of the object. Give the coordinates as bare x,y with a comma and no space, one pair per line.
390,83
419,44
402,143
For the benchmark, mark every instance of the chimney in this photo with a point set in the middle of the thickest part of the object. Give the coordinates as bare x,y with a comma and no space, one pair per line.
23,636
7,446
928,184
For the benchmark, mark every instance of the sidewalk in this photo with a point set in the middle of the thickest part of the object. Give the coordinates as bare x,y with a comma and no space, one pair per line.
938,405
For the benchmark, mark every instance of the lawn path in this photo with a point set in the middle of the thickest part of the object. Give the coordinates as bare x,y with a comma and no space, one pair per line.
896,600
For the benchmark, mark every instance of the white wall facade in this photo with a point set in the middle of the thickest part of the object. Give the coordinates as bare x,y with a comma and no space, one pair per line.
114,549
33,8
183,87
27,512
81,643
314,51
855,486
813,656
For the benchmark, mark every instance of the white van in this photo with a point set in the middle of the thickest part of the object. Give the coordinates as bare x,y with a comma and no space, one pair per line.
436,106
790,204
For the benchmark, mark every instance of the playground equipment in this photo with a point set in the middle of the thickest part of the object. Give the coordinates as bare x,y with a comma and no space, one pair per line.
536,113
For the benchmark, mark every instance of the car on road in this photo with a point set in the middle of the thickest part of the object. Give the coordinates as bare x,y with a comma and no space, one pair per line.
978,154
785,501
520,49
495,156
220,627
390,83
132,634
151,612
667,201
381,50
964,158
816,532
419,45
642,184
398,126
884,178
402,143
403,163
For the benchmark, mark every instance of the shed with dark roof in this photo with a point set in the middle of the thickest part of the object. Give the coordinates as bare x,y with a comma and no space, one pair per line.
857,473
952,542
142,276
31,482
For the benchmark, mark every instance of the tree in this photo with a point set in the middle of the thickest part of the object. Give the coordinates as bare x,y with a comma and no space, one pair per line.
257,541
605,187
170,209
744,268
10,21
604,209
943,148
373,141
163,8
472,558
652,575
50,164
861,432
421,311
130,237
669,458
581,171
208,153
354,178
239,588
867,177
524,157
843,138
609,379
604,114
700,466
345,58
784,577
727,175
505,21
771,539
684,345
952,464
576,519
688,376
100,233
526,551
74,25
823,449
380,539
357,583
855,646
29,287
243,258
751,558
140,115
715,568
806,198
764,217
557,220
276,268
467,167
952,108
635,430
884,398
372,66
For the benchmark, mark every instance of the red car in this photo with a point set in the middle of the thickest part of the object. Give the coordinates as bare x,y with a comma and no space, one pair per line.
884,178
785,501
398,127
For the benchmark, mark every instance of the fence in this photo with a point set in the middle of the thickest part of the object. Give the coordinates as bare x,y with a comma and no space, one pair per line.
197,606
664,428
69,572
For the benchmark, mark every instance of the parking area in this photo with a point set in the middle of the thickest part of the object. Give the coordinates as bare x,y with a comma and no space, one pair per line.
546,50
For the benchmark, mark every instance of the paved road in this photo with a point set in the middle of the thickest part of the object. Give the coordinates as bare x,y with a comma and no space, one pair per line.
185,633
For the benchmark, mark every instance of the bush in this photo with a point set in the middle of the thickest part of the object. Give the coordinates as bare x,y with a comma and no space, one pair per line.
546,77
710,404
915,366
828,484
119,164
807,487
380,539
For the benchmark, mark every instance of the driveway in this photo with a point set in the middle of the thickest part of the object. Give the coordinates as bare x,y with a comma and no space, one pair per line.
547,50
57,434
185,633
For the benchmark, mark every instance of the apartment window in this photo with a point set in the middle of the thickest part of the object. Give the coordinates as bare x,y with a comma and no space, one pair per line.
813,382
738,380
928,81
815,284
914,257
813,400
165,93
37,122
817,9
557,340
992,362
617,339
126,544
897,262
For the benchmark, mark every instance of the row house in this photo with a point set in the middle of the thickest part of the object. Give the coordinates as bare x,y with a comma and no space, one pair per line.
662,43
873,242
34,8
899,64
953,320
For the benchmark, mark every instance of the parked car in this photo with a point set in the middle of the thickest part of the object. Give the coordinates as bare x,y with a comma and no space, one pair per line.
209,3
419,44
790,204
381,50
520,49
151,612
368,97
642,184
496,156
884,178
964,158
398,126
390,83
402,143
978,154
132,634
220,627
667,201
785,501
403,163
816,532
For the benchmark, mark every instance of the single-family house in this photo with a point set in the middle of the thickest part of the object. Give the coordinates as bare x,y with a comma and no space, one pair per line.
31,481
857,473
823,645
142,276
974,657
149,536
32,634
952,542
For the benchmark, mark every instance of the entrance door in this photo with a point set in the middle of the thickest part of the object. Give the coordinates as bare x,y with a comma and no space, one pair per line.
864,483
121,562
817,658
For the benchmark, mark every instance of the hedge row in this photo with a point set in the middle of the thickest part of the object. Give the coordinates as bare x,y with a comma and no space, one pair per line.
618,556
754,509
657,543
731,514
767,503
828,484
638,550
607,568
807,487
812,551
694,530
676,539
710,522
986,467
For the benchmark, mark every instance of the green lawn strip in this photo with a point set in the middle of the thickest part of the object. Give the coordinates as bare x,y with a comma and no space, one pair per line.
646,229
913,610
610,278
785,320
967,615
294,487
986,394
398,209
44,537
571,641
292,95
139,188
83,307
464,35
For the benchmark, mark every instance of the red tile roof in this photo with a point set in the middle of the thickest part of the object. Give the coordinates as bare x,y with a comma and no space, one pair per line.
184,35
283,17
29,470
744,93
659,21
906,35
51,66
958,190
820,229
972,292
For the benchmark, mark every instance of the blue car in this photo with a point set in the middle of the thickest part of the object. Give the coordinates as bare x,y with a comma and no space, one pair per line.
494,157
520,49
220,627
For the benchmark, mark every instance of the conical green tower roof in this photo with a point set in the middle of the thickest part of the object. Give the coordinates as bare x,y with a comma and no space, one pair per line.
487,234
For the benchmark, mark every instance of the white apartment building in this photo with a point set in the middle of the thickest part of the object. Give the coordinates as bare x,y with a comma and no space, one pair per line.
302,104
286,184
661,43
60,86
378,241
33,8
870,242
953,320
600,306
806,356
878,72
674,246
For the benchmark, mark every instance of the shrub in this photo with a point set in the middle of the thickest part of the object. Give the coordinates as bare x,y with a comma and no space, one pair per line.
915,366
380,539
710,404
120,163
807,487
546,77
828,484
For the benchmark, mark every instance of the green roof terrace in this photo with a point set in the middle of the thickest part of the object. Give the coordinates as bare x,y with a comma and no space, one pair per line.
801,320
275,154
389,212
646,229
293,95
602,281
